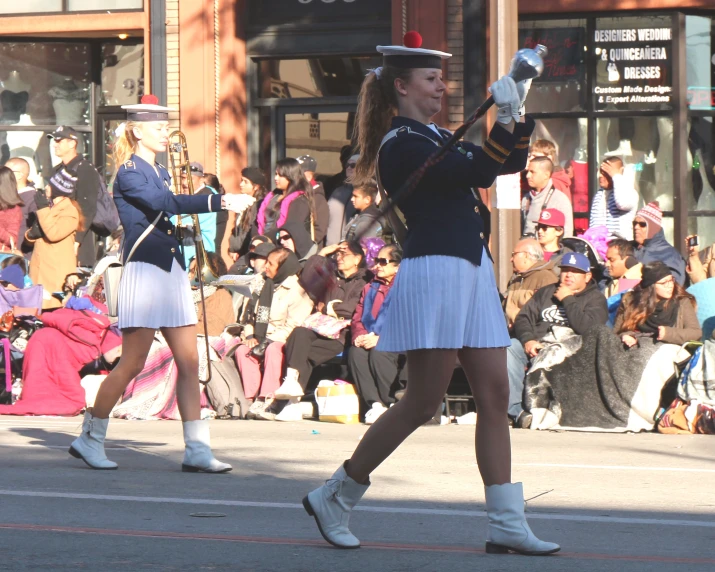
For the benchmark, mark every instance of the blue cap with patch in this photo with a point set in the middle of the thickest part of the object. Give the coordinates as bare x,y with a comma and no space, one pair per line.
575,260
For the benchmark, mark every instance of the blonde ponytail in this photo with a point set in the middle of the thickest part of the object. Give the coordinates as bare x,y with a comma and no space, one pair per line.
377,105
125,145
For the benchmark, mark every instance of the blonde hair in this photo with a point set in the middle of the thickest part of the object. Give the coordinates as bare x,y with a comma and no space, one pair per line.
377,105
125,144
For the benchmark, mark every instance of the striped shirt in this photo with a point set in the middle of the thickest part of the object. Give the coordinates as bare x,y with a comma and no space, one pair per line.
615,209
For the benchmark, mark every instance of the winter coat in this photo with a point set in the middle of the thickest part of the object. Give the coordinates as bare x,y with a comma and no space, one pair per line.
219,313
348,291
580,312
531,208
54,257
10,223
293,208
341,211
659,249
322,212
687,327
28,209
523,286
365,224
615,209
370,304
290,307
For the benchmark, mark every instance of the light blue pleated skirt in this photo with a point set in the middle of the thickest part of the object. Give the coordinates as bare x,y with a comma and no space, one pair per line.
150,297
443,302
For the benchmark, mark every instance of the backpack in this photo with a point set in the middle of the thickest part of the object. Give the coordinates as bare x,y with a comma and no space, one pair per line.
106,220
225,390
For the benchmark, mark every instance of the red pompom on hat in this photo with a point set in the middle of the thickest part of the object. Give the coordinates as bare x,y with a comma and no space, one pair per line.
412,39
150,99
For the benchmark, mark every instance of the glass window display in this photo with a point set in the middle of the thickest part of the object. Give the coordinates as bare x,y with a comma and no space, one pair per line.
122,73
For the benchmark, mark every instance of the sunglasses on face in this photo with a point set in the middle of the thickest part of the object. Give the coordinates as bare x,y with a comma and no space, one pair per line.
640,224
283,237
351,165
383,261
543,227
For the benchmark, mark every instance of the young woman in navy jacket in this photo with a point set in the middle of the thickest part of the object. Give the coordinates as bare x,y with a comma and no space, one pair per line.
154,293
444,303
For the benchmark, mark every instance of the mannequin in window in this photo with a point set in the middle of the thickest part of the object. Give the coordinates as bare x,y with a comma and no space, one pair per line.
13,100
69,102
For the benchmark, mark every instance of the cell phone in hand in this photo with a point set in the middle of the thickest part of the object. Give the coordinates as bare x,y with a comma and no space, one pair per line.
693,241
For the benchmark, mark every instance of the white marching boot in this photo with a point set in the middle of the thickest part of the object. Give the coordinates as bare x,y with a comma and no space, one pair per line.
508,529
198,456
89,446
331,505
290,386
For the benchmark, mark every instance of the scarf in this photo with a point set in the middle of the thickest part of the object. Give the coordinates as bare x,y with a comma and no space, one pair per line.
196,295
664,315
262,305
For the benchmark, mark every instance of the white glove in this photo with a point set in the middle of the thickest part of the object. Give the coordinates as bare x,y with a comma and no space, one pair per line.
238,203
507,99
522,89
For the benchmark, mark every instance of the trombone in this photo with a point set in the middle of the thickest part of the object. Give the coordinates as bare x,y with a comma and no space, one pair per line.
179,160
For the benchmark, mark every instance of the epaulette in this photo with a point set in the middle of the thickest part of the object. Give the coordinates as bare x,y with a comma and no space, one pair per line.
129,164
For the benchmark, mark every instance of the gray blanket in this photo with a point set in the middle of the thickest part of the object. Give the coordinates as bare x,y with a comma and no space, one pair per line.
603,385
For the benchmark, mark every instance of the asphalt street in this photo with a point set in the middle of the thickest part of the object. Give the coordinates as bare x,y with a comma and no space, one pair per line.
615,502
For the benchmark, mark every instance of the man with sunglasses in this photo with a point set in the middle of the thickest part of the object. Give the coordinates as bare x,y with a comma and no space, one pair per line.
77,178
651,244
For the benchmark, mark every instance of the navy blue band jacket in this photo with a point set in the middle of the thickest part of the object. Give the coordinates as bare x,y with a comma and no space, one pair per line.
141,192
442,214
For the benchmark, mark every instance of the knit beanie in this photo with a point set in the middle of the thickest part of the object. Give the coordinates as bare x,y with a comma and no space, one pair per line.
255,175
653,216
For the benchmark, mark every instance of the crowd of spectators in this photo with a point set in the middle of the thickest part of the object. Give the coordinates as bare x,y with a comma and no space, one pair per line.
567,292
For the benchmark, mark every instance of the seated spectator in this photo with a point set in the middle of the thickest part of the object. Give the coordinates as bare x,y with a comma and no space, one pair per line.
374,372
560,177
320,203
651,245
53,234
291,201
659,309
305,349
701,264
615,202
531,272
10,212
241,230
574,304
219,305
543,195
624,270
271,316
295,238
242,266
367,223
339,205
54,356
549,231
21,263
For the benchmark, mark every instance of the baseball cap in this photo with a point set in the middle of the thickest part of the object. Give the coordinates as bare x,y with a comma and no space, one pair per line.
63,132
308,163
197,169
14,275
552,217
575,260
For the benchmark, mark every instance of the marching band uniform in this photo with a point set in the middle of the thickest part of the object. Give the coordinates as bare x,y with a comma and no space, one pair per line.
445,294
154,291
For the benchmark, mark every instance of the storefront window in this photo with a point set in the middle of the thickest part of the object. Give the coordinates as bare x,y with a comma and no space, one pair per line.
30,6
122,73
701,180
90,5
633,63
320,135
320,77
645,144
562,86
700,61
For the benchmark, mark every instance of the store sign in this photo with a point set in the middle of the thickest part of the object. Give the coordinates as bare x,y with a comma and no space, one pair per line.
634,69
701,98
276,12
565,60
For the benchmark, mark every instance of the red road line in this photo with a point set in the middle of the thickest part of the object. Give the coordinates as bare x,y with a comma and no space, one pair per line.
322,544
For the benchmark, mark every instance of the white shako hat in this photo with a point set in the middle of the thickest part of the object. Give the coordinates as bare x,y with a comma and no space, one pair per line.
412,54
148,110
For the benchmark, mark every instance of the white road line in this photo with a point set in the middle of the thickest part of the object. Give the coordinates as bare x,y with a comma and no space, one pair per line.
615,467
63,447
376,509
